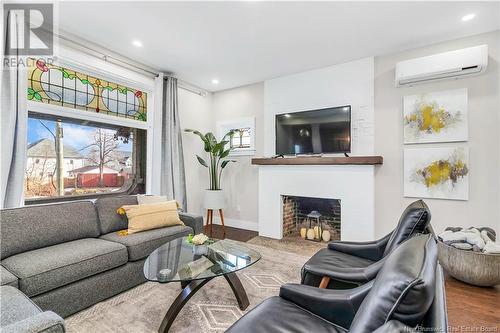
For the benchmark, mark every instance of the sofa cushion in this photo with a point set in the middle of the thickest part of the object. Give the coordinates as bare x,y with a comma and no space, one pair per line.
15,306
276,315
33,227
193,221
20,314
109,219
141,244
7,278
45,269
404,288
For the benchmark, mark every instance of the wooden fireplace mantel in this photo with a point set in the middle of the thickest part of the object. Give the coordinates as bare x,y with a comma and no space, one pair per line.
317,160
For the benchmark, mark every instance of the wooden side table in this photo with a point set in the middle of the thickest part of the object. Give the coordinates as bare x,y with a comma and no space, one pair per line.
210,220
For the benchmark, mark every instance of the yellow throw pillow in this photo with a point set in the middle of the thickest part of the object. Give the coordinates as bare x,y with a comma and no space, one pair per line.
151,216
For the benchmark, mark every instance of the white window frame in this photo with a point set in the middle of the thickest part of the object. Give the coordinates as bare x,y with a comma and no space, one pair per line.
226,125
78,114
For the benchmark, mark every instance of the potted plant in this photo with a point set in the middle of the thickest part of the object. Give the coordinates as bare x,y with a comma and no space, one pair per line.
217,152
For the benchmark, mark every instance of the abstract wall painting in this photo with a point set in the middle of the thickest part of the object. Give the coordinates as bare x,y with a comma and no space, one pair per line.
436,117
441,173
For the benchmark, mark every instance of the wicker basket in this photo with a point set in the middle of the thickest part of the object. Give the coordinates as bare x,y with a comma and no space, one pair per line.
479,269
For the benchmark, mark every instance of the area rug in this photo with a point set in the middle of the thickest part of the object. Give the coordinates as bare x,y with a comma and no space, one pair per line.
212,309
290,244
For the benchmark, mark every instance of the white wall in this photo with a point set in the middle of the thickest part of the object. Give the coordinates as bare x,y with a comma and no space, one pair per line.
350,83
345,84
354,83
240,180
195,112
482,208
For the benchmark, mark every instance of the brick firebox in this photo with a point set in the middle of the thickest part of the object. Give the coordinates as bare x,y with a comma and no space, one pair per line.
289,214
295,210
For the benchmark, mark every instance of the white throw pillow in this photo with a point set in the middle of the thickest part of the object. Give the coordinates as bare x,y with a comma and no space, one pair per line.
144,199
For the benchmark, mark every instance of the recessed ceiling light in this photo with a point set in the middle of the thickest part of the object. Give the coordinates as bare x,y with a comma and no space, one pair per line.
288,115
468,17
137,43
215,81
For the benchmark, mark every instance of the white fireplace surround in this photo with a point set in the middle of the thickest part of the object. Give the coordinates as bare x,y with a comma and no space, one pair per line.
352,84
352,184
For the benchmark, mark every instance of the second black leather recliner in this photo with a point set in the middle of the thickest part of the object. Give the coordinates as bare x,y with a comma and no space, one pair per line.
345,265
408,291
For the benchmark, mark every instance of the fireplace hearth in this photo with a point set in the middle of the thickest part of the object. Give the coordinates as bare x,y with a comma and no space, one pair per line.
305,212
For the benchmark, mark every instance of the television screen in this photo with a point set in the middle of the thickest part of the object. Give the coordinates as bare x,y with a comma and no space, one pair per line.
314,132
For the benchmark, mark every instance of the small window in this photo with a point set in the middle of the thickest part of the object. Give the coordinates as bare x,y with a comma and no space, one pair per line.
241,138
93,160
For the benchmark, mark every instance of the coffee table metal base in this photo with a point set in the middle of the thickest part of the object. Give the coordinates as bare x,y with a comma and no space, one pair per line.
189,289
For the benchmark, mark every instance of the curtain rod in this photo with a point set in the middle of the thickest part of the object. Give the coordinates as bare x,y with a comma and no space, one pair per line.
134,67
110,58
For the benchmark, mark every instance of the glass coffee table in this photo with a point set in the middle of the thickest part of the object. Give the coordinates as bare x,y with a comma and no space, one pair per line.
194,265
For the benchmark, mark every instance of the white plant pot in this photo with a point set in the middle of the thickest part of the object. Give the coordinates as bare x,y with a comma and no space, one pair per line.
214,199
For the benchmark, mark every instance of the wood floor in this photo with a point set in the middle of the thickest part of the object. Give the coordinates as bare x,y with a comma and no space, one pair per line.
241,235
470,308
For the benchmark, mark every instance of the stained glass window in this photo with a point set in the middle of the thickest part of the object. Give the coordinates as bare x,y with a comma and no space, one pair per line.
61,86
241,138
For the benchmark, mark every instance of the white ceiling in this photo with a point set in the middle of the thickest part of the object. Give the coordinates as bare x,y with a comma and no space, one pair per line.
245,42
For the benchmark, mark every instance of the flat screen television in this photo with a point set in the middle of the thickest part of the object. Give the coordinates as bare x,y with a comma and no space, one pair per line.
314,132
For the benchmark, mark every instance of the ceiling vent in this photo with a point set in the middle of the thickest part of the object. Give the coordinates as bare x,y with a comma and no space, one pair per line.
448,65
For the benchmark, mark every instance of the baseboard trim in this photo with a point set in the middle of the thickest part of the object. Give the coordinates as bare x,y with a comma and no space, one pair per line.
235,223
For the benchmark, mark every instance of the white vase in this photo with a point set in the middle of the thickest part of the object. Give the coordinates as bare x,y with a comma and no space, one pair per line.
200,249
214,199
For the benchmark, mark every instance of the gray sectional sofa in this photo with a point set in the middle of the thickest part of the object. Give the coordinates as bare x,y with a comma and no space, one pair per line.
18,314
68,256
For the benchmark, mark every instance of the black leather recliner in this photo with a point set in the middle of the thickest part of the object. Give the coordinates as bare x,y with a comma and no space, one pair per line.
407,292
350,264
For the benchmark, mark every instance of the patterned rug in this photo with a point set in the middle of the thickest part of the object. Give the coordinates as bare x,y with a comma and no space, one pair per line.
290,244
212,309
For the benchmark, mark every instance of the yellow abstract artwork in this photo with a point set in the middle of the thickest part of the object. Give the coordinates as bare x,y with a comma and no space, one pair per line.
436,173
435,117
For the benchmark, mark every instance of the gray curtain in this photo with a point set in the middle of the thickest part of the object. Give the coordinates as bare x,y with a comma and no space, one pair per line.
172,177
13,122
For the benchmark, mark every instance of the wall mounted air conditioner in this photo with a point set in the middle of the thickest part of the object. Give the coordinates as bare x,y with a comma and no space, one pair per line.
448,65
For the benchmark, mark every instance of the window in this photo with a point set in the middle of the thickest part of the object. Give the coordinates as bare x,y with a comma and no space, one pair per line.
241,138
72,153
66,157
51,84
243,141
